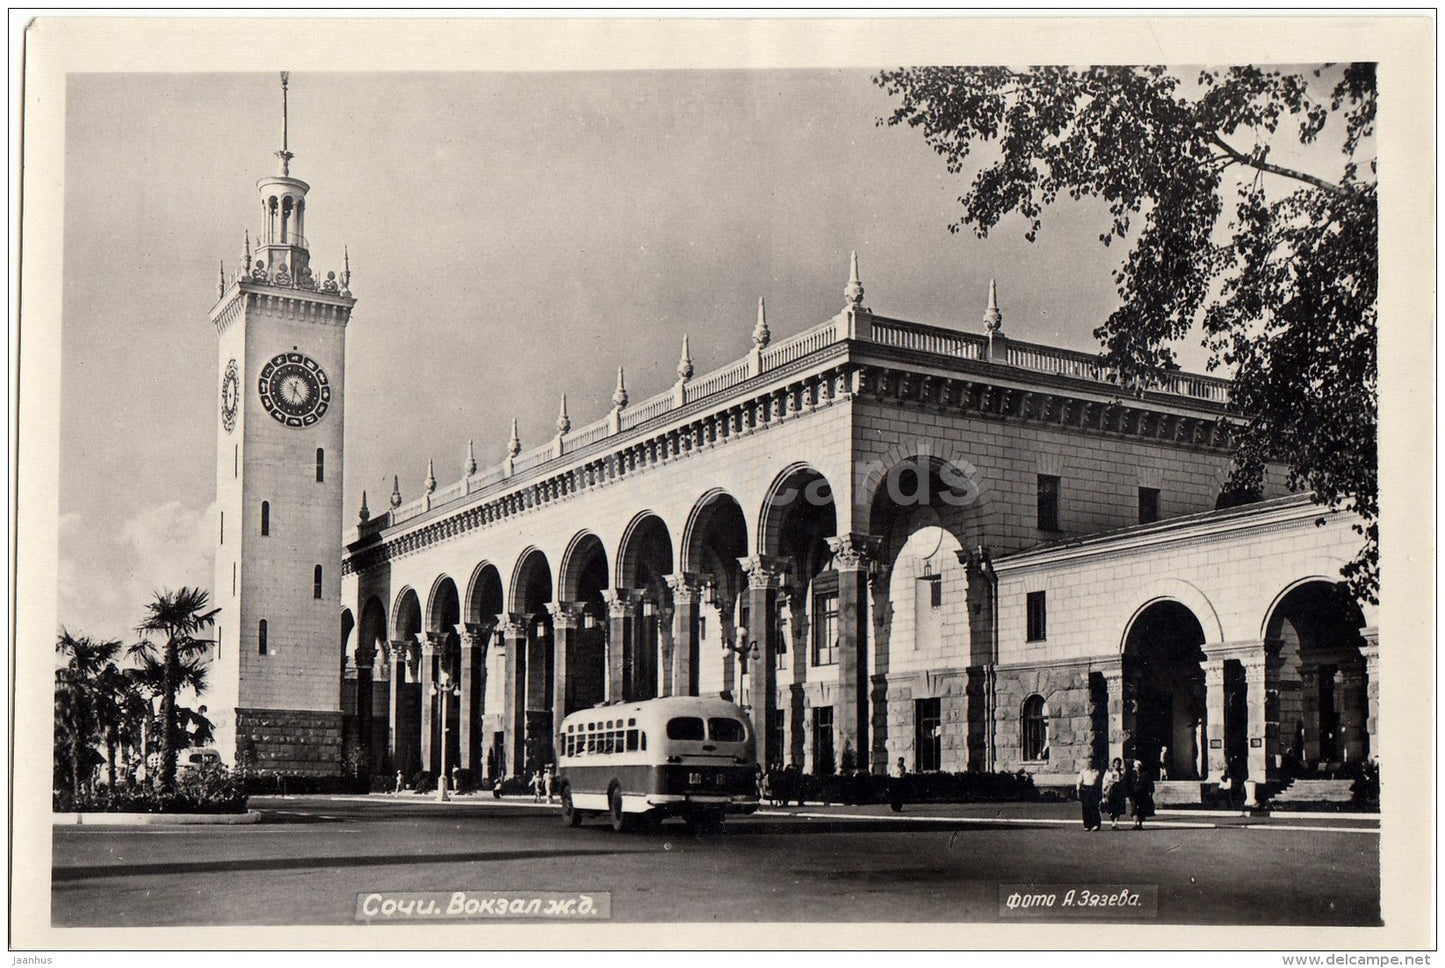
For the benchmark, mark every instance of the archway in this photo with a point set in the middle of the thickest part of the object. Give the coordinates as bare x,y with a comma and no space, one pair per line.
404,709
813,633
584,577
928,511
1323,685
483,679
644,562
373,726
1164,698
530,664
715,538
440,668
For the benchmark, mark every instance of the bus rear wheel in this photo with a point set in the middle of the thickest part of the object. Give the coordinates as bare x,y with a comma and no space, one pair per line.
614,810
571,816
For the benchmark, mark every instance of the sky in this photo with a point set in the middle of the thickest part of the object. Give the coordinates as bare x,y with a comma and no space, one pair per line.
511,237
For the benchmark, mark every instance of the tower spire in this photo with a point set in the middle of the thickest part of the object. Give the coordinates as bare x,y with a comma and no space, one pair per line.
395,491
564,422
619,396
854,291
684,365
284,154
470,466
514,443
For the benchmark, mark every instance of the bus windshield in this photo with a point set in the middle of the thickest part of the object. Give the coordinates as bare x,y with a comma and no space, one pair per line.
721,729
685,727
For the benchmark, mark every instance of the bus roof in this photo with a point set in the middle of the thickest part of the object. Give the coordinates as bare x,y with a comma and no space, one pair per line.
657,708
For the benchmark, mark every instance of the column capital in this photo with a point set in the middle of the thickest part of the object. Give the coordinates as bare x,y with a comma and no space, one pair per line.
1246,651
565,614
854,551
686,587
401,649
434,643
365,655
512,625
477,633
621,601
764,571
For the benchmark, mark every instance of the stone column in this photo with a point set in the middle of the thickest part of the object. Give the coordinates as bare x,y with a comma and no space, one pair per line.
662,658
1113,673
621,604
728,632
853,557
680,677
365,659
1353,738
1371,652
1214,704
514,717
395,736
471,702
1259,667
432,646
764,575
566,625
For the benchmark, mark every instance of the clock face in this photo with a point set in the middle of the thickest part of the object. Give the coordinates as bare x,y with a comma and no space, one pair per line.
294,389
230,396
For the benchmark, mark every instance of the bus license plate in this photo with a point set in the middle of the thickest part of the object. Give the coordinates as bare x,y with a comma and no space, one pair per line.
695,779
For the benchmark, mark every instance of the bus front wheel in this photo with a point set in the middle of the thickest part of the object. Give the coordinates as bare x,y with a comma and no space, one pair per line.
571,816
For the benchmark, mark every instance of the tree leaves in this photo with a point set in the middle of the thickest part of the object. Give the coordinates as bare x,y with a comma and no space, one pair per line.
1278,265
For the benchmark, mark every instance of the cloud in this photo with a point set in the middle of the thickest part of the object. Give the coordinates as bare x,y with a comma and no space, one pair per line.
107,576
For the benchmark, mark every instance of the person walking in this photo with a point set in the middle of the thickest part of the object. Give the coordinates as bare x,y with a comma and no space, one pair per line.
400,782
896,799
1115,792
1142,795
549,781
1089,795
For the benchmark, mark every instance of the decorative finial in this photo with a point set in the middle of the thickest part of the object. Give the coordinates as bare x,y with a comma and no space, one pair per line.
992,318
761,336
854,293
470,466
431,478
564,422
284,154
346,267
365,512
619,396
684,365
514,444
395,491
221,279
248,250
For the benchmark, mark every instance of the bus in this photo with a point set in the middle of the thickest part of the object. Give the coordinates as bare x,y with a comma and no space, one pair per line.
639,763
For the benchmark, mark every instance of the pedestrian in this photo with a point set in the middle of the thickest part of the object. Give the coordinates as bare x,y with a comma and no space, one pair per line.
1142,795
1090,793
896,799
550,780
1163,763
497,788
400,782
1115,792
537,787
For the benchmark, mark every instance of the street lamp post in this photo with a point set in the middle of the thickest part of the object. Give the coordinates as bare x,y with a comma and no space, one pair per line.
444,688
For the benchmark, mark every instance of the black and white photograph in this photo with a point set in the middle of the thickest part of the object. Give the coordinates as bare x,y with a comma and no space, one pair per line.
491,483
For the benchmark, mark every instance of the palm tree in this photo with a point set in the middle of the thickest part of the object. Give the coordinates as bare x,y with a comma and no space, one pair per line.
81,691
178,617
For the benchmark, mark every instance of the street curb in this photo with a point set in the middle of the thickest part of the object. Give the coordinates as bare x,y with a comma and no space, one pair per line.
152,819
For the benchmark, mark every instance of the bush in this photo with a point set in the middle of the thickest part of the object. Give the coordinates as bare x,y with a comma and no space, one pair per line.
423,782
215,790
290,783
465,781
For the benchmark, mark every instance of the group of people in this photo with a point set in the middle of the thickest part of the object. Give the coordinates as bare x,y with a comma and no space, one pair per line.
1107,791
543,783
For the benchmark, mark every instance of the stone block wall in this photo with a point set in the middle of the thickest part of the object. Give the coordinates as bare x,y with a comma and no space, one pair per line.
291,740
1065,689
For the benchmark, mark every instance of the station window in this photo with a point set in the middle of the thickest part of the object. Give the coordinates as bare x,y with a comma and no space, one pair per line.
320,465
261,638
1035,729
223,527
1148,505
1048,502
1038,617
316,582
265,517
219,630
825,629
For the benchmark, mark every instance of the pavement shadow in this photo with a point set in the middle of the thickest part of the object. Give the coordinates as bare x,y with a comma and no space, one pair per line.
81,873
809,826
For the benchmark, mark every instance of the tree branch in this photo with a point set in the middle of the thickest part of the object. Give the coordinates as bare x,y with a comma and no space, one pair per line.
1260,164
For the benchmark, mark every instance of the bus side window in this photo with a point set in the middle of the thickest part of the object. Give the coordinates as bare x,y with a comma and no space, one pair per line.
631,740
644,741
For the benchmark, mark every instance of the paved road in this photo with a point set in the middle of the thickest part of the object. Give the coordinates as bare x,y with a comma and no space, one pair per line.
308,863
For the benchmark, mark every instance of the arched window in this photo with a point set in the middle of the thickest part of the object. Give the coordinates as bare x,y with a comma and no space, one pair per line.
1035,729
320,465
316,582
265,517
261,638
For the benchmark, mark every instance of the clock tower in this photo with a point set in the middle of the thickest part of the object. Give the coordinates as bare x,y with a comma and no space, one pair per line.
281,333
